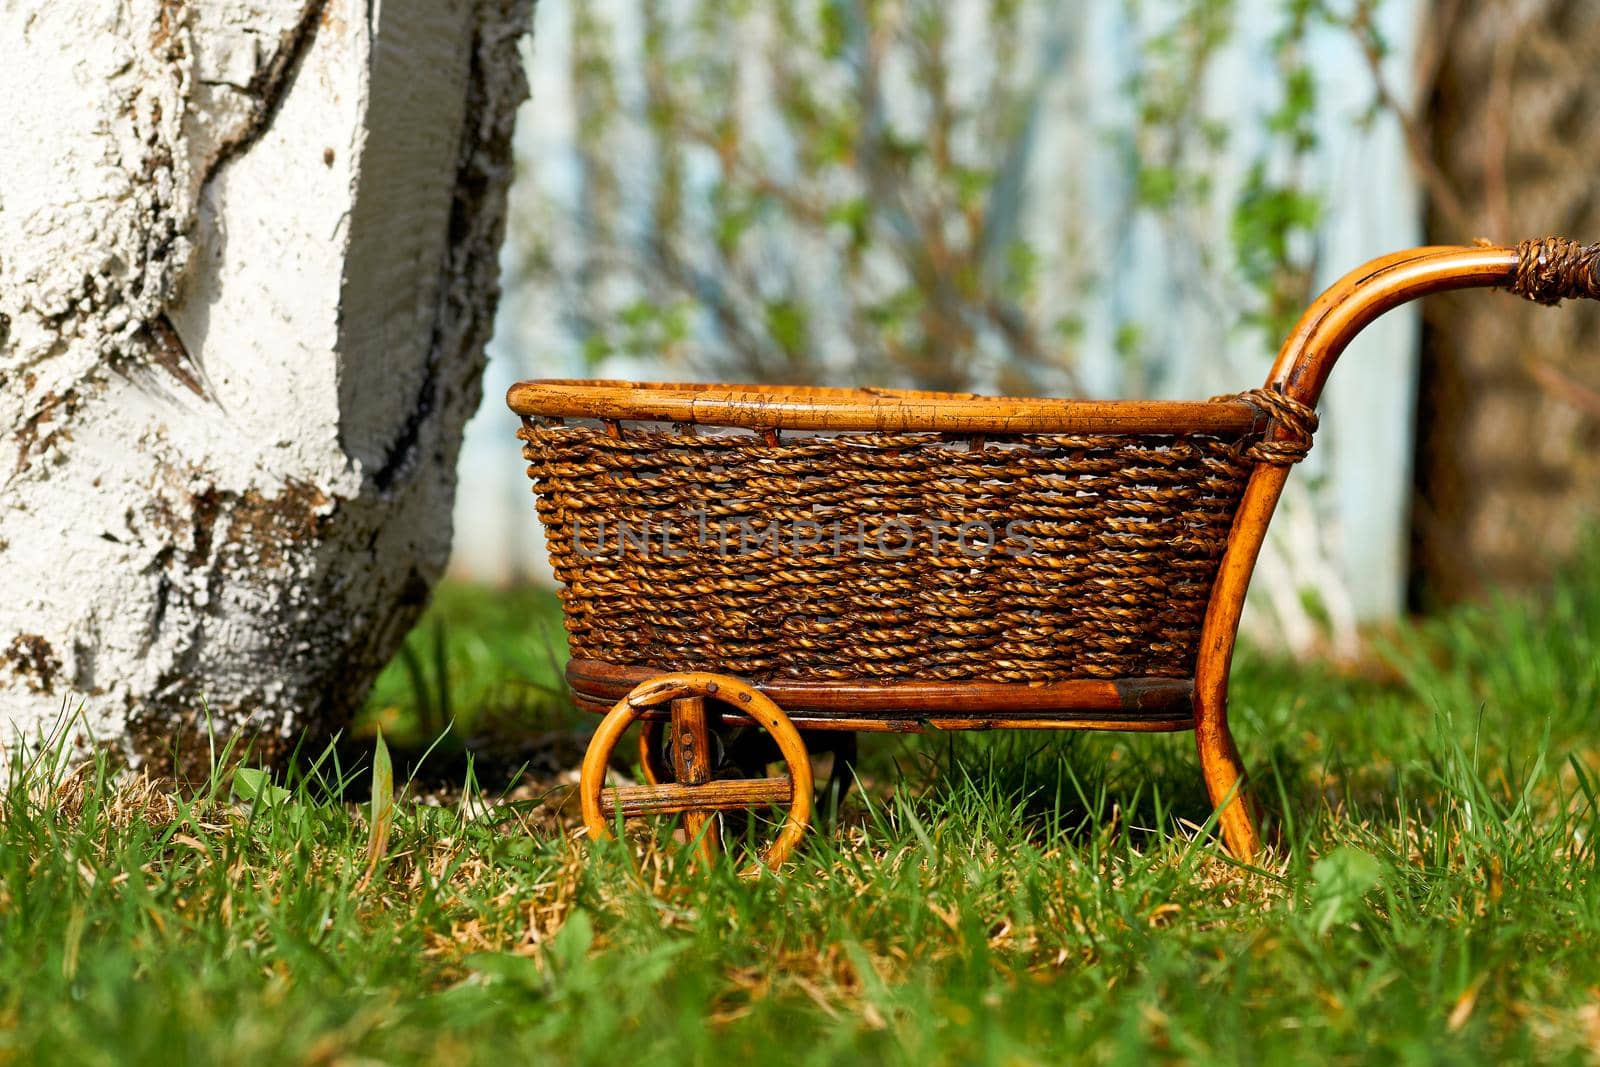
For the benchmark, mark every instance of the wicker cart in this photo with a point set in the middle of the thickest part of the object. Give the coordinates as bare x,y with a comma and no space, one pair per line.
745,562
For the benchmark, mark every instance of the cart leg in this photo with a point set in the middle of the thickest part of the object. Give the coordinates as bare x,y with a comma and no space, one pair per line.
753,751
691,765
841,776
1227,785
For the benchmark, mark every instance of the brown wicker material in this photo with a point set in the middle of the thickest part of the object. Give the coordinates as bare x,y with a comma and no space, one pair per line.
1555,269
1114,547
1296,422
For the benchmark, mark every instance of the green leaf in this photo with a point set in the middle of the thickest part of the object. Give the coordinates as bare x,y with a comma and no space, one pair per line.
1157,187
786,325
382,816
1342,879
570,947
505,967
255,786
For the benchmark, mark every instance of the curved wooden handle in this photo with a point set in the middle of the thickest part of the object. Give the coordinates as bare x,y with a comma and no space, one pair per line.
1546,271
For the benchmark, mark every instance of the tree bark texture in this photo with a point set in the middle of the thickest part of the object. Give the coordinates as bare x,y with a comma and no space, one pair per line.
1509,424
248,265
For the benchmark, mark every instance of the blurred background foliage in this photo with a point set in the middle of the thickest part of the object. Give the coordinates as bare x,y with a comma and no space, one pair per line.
1113,198
781,192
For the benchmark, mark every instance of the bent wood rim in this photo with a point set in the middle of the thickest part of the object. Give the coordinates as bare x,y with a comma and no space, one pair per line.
757,407
1150,704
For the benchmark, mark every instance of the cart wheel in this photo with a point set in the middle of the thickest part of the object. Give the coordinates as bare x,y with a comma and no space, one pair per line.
694,794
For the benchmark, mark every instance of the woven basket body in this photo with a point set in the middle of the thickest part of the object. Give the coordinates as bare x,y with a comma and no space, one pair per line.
884,556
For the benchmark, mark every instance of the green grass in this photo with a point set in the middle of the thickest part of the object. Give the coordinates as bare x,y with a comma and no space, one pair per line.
1007,898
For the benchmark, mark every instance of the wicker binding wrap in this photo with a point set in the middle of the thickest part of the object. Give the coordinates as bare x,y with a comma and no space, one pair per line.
1029,557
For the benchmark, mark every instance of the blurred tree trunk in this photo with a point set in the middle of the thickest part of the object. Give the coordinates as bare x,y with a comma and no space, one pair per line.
1508,465
248,264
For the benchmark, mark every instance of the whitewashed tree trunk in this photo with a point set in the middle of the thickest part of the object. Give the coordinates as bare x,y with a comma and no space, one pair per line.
248,265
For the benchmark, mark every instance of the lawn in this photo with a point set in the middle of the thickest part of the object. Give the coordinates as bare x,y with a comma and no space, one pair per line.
1008,898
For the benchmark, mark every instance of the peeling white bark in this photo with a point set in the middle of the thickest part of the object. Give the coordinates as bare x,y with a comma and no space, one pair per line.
247,270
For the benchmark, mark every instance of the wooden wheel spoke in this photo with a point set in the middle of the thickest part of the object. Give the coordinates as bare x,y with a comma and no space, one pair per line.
673,798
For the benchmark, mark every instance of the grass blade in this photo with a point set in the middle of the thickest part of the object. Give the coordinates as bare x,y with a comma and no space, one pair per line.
382,817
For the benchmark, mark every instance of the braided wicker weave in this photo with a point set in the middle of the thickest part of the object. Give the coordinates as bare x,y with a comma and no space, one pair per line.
1020,558
892,560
